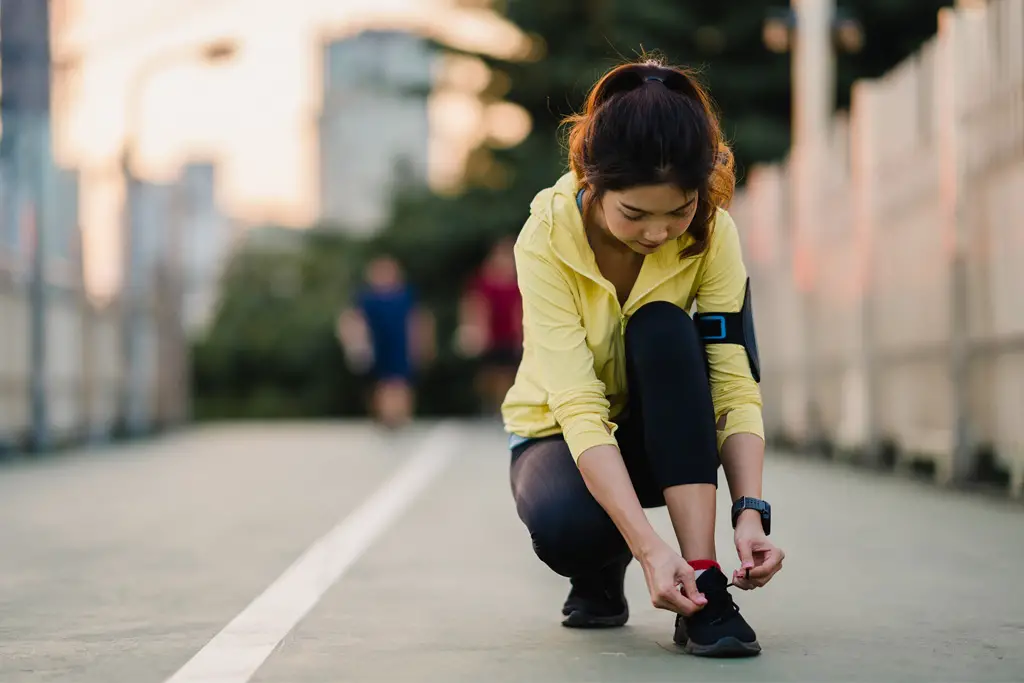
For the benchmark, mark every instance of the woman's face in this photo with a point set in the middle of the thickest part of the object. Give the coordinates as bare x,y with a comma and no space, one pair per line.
646,217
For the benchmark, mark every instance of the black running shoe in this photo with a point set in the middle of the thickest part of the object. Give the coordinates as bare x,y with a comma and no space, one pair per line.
717,630
598,600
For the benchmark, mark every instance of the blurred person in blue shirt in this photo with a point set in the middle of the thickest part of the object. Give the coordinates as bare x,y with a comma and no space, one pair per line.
387,335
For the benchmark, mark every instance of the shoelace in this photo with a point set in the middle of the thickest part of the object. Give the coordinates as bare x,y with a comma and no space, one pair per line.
732,584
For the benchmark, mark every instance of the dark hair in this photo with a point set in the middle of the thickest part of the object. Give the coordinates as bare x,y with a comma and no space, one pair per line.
646,123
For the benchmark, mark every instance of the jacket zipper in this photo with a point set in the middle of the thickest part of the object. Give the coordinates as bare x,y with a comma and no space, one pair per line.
620,341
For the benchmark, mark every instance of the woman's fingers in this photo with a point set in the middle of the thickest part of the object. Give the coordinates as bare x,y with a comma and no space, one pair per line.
673,600
766,562
741,580
689,584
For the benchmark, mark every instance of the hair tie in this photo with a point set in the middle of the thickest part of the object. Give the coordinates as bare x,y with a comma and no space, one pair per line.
656,78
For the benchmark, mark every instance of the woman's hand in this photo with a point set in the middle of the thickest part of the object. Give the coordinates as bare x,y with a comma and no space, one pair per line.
665,571
757,554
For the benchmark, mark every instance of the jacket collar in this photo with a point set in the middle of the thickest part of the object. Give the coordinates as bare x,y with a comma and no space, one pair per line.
568,240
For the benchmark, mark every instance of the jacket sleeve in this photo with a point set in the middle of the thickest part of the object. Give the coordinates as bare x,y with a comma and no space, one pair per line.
734,391
556,341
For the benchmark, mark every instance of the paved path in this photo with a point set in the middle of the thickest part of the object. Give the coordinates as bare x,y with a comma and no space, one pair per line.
122,564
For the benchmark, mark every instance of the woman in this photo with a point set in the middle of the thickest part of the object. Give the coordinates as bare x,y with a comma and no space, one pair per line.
620,403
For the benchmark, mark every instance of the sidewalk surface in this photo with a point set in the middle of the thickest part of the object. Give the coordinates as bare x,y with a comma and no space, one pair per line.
121,564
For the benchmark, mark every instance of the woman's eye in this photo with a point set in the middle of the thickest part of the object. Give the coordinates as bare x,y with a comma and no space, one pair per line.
632,218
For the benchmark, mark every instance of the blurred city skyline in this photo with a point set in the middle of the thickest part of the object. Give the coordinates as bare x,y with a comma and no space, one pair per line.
253,115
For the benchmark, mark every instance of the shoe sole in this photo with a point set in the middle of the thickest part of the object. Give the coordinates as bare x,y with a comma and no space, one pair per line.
578,619
725,647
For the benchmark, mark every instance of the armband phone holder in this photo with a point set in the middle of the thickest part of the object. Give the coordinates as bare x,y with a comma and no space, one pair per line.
733,328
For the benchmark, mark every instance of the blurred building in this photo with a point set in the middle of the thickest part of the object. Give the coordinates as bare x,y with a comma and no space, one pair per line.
26,160
179,226
206,245
373,126
150,208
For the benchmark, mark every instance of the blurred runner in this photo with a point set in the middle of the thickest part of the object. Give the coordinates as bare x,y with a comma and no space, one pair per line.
387,336
491,325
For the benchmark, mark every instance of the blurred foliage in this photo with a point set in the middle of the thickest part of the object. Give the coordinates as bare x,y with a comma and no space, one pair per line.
272,342
272,350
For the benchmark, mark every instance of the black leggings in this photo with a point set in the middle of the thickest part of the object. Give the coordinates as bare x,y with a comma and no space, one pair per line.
666,436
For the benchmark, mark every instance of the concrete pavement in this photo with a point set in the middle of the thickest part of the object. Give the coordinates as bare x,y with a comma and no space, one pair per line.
121,564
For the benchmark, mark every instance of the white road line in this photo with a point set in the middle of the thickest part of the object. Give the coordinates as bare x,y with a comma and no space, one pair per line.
235,654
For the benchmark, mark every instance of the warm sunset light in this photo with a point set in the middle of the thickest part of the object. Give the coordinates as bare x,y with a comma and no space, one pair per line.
250,108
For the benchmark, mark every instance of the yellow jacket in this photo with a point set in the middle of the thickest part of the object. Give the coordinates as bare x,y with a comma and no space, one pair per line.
572,378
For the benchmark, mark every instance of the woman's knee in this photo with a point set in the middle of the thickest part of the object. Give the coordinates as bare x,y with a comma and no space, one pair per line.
659,329
572,539
667,371
570,531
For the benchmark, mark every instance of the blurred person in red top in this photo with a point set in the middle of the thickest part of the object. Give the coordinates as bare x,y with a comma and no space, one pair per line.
491,324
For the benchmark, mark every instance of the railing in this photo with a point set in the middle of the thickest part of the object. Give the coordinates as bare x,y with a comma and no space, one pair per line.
91,388
918,261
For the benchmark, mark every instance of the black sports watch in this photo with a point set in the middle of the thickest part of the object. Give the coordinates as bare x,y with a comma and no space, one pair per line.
748,503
